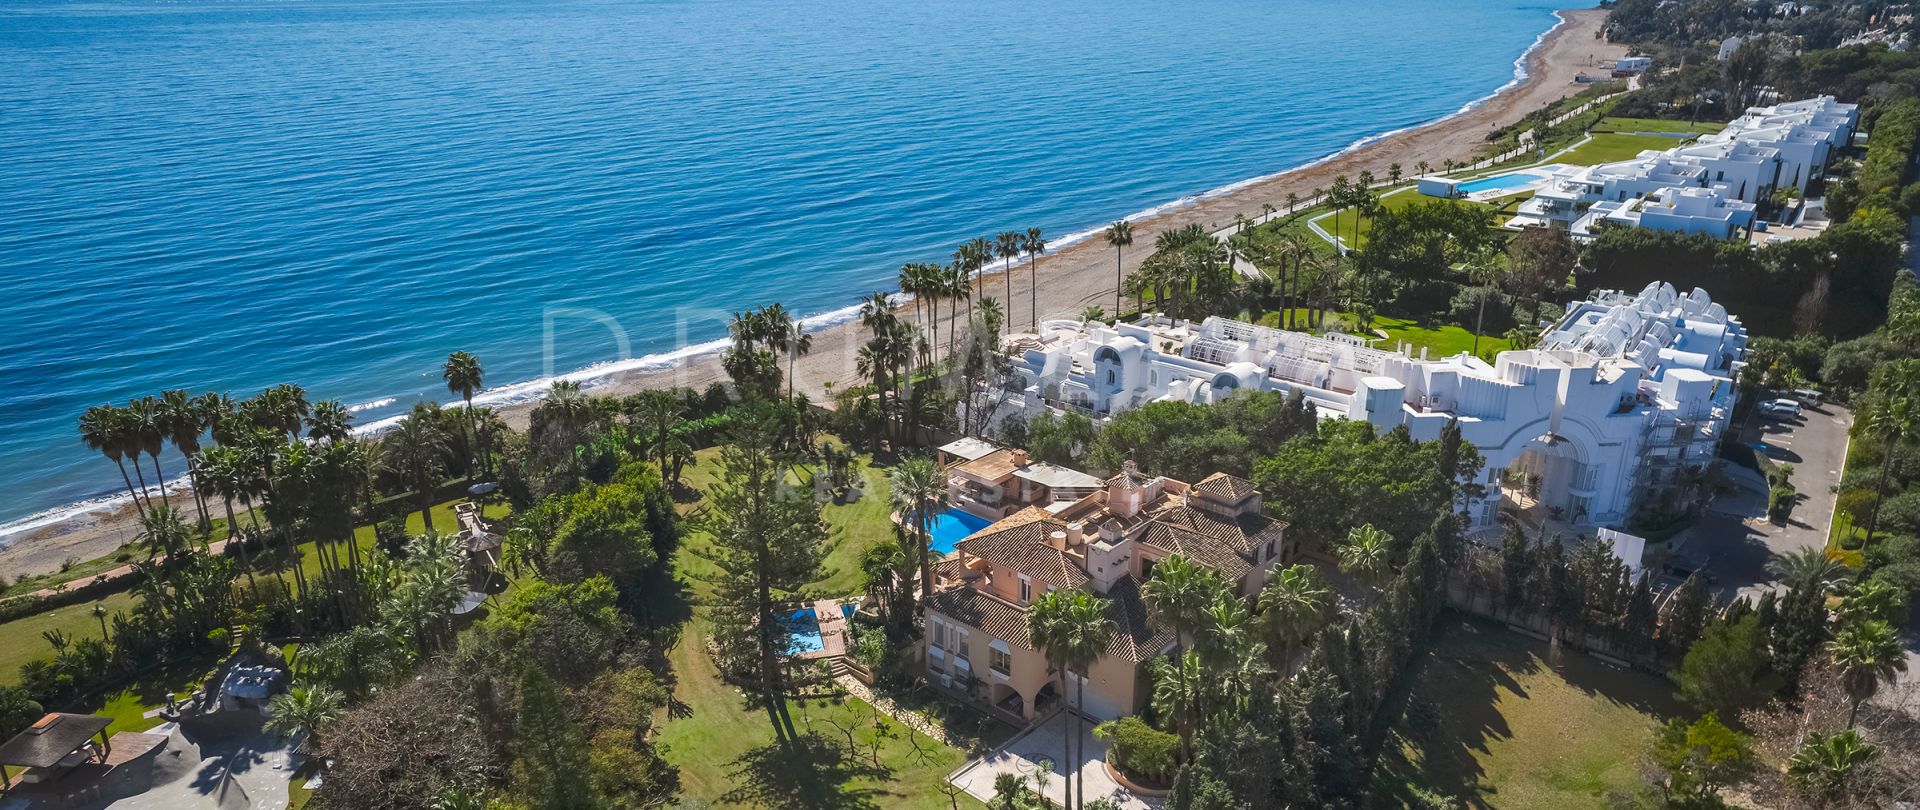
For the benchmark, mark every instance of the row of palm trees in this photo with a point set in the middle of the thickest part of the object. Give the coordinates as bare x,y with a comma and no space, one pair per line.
932,283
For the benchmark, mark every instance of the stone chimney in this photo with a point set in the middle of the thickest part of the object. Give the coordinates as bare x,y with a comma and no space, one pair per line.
1019,457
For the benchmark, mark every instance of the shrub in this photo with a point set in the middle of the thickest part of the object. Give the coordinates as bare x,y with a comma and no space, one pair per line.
1780,500
1138,748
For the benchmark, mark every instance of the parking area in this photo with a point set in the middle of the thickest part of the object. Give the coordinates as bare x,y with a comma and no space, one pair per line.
1734,540
1042,747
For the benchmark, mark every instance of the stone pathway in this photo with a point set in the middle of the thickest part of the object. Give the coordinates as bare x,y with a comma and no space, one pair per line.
907,717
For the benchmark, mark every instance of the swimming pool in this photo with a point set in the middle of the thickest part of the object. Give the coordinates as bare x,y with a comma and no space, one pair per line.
952,526
1498,182
803,629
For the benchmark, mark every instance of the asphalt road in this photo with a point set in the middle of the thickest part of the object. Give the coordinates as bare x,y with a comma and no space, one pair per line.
1734,540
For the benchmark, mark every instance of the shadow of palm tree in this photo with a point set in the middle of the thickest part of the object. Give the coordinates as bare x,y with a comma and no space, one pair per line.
814,774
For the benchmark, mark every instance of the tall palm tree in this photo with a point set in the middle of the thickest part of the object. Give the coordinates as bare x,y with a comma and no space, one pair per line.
1809,568
959,291
920,492
913,281
180,418
1178,592
417,448
1008,247
304,709
1034,245
224,471
105,429
1367,554
150,428
1072,628
798,343
1294,604
1867,653
657,412
463,376
1176,694
1489,268
1890,419
1119,237
1826,765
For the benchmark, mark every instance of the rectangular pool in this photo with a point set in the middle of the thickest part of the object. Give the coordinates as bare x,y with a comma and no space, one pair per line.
952,526
803,629
1498,182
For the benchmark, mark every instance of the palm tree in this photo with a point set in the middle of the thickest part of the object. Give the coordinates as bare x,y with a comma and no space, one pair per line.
920,491
164,532
1866,652
1367,554
1071,627
1007,789
463,376
1809,568
150,430
1034,245
1119,236
1424,167
1393,174
1008,247
568,410
304,709
1826,765
1487,268
657,412
1294,604
1891,419
100,615
105,429
225,471
330,422
180,418
798,343
1176,694
417,447
1178,592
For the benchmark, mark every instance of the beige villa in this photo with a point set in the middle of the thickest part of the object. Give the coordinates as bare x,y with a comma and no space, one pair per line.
976,643
992,482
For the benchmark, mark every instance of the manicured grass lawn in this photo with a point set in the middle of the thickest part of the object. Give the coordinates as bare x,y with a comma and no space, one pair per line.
1610,147
1492,723
1395,202
1440,341
1618,124
21,641
724,753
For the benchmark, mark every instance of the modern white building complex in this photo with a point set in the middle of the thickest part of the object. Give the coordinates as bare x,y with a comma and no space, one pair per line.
1711,186
1622,394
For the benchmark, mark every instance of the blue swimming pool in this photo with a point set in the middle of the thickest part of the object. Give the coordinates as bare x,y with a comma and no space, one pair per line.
1497,182
803,629
952,526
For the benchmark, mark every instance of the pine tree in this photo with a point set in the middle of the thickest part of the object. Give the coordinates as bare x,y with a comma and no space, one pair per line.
1687,617
768,543
551,752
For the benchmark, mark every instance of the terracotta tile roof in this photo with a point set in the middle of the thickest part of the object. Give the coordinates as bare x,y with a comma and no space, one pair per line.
1228,488
992,615
1019,541
990,467
1228,545
1136,637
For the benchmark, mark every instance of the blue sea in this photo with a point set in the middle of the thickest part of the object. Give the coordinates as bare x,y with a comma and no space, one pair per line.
229,195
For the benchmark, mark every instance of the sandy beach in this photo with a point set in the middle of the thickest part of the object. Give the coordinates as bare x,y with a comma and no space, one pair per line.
1069,281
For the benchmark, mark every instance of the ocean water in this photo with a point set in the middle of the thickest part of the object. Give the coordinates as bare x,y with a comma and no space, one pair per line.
229,195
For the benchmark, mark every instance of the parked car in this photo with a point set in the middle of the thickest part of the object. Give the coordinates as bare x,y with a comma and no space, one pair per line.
1808,396
1780,409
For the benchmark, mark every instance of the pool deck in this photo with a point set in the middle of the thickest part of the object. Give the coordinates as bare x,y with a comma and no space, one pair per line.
833,630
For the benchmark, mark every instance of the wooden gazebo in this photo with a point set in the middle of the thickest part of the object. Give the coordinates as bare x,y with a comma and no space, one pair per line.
57,743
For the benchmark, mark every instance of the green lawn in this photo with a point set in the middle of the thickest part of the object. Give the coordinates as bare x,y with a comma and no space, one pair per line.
1440,341
1619,124
722,747
1492,723
21,641
1346,220
1610,147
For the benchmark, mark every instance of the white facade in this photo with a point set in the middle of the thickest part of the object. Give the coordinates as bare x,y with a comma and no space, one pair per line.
1709,186
1621,393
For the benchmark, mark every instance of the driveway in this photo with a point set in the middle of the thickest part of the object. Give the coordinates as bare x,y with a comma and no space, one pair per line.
1042,747
1734,540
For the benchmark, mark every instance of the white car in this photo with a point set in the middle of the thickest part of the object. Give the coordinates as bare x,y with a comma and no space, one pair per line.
1780,409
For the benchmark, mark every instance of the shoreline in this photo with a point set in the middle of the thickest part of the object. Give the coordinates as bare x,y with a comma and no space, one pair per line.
1080,261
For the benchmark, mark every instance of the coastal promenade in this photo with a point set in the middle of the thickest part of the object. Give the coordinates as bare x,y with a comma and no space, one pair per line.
1070,280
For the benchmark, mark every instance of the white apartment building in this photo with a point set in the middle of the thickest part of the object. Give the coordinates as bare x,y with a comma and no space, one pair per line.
1710,186
1622,393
